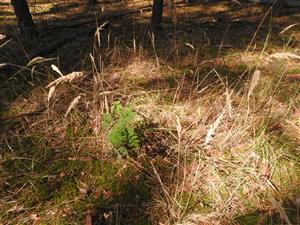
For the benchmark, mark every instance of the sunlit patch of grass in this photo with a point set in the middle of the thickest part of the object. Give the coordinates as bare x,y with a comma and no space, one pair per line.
41,7
243,154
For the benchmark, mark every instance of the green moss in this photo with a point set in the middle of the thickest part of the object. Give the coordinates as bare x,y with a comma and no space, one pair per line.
44,186
265,218
77,125
248,219
64,191
171,82
293,71
80,207
57,221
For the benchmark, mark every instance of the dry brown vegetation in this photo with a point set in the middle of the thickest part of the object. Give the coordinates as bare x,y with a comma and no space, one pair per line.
198,124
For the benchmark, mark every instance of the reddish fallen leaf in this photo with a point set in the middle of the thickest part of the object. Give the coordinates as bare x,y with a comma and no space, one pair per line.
297,202
62,174
211,151
293,76
136,179
265,171
34,217
83,189
107,194
88,219
275,127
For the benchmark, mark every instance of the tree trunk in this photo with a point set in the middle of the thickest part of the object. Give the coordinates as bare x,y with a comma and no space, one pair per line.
170,4
92,2
157,10
278,8
172,10
24,19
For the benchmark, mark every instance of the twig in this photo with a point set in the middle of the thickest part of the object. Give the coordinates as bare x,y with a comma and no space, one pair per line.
38,111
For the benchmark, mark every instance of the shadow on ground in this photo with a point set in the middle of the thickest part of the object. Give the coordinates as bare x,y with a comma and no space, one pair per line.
60,186
215,29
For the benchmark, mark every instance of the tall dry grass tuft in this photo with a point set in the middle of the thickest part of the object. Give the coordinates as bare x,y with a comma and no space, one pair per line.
224,157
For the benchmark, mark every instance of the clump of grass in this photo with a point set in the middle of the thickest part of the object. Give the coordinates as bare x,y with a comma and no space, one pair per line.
232,172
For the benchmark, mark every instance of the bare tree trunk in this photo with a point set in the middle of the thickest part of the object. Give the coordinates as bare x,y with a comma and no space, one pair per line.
190,1
24,19
92,2
278,7
170,4
157,10
172,10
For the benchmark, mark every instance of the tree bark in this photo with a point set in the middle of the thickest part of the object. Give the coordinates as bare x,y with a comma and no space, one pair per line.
190,1
24,19
170,4
157,10
92,2
172,10
278,8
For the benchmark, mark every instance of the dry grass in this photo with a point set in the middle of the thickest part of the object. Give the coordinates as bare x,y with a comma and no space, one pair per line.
230,150
214,149
225,157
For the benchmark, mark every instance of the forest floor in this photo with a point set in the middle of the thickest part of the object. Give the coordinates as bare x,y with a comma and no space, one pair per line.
197,124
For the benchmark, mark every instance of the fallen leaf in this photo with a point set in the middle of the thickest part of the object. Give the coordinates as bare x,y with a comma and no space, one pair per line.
107,215
62,174
265,171
2,36
55,68
293,76
34,216
254,82
107,194
88,219
297,201
16,208
83,189
211,151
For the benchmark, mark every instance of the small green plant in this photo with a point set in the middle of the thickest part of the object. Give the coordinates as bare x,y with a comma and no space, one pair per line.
120,124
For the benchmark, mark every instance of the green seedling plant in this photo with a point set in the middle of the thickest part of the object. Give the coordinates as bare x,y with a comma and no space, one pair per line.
120,124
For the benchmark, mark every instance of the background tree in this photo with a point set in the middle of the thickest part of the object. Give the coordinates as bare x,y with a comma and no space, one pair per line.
24,19
92,2
157,10
25,22
278,7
